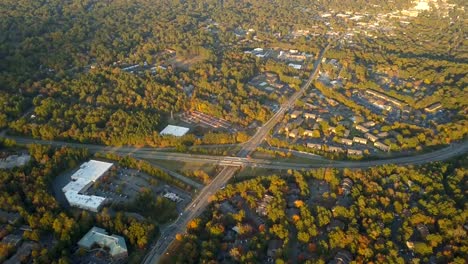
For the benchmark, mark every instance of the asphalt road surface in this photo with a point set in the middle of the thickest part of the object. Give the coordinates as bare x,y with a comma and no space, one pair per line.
201,201
232,164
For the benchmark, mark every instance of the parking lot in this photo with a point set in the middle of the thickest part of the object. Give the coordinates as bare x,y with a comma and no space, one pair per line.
124,184
195,117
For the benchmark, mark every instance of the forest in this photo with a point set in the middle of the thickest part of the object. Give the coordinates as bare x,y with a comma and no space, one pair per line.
62,74
389,214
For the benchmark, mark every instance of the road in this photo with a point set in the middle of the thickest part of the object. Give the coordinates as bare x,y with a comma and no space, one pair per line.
232,164
201,201
315,161
197,206
178,176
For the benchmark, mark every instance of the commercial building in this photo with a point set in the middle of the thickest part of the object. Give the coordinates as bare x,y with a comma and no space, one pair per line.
177,131
98,236
82,179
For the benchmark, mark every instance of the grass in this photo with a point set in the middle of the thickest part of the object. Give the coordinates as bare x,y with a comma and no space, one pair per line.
180,166
249,172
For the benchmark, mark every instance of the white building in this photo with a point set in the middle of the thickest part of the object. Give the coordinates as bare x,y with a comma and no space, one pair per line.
177,131
82,179
115,245
295,66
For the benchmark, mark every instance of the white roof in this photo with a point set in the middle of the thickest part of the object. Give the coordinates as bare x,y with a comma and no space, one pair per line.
88,173
96,235
91,170
177,131
295,66
76,185
88,202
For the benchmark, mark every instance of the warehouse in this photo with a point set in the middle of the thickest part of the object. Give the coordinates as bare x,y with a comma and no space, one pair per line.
82,179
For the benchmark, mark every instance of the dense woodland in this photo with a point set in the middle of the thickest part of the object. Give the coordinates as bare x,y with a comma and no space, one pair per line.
62,78
62,62
387,207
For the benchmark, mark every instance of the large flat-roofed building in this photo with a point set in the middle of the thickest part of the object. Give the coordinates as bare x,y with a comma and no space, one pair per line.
82,179
177,131
98,236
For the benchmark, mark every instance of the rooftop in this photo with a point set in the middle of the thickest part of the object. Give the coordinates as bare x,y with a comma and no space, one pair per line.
99,236
177,131
88,173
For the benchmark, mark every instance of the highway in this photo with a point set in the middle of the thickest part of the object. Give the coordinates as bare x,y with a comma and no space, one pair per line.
201,201
315,161
232,164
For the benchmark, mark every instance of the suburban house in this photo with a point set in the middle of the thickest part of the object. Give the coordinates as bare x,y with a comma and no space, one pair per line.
335,149
308,133
342,257
381,146
369,124
346,141
433,107
383,134
355,152
261,209
314,146
360,140
293,133
376,94
362,129
347,184
371,137
309,116
298,121
296,114
346,133
423,230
